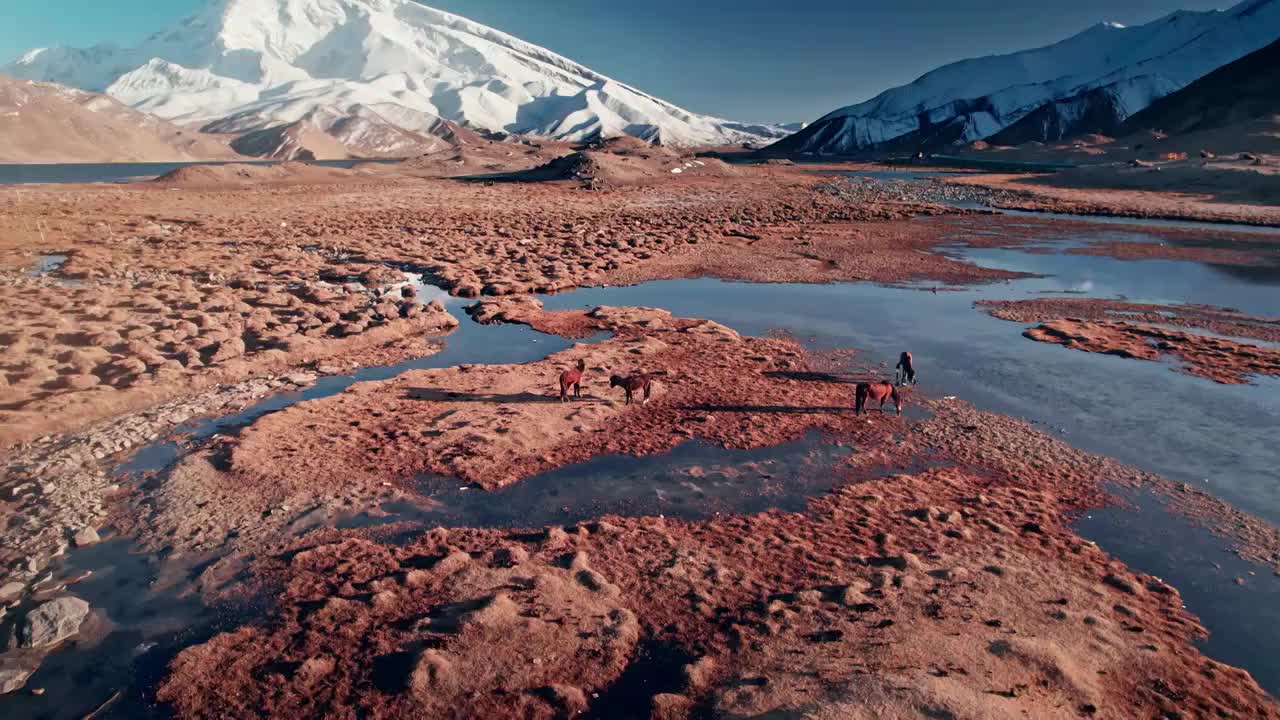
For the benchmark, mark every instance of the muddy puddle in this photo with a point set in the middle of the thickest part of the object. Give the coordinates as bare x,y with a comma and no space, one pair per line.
141,618
48,264
1219,438
1238,601
696,480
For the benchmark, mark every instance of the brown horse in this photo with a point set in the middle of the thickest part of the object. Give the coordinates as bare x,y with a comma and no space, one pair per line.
878,391
639,381
572,379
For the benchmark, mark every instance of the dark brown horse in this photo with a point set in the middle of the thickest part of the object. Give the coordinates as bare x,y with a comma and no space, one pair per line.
639,381
878,391
572,379
905,369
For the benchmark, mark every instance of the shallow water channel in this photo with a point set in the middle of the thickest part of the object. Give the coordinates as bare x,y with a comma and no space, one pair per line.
1220,438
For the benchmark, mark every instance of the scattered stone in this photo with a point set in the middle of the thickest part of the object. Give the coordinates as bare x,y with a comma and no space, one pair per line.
698,675
53,622
11,591
12,679
86,537
669,706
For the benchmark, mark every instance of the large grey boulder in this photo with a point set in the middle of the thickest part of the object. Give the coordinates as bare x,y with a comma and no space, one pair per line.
12,679
53,622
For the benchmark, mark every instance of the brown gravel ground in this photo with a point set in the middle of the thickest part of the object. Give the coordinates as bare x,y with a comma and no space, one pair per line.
953,591
168,288
956,591
1039,193
164,289
490,425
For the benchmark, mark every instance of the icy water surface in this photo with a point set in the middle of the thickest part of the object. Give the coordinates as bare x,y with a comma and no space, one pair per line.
1220,438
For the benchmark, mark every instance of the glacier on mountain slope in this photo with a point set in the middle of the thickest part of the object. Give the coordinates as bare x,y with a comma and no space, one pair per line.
980,97
246,65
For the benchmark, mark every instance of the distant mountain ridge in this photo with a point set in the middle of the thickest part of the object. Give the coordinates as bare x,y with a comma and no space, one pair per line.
48,123
1246,89
1090,82
241,66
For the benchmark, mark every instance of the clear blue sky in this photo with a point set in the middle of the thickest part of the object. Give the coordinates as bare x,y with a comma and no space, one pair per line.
756,60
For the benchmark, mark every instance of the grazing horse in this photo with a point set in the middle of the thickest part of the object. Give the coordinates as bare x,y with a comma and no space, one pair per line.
639,381
879,391
572,379
905,369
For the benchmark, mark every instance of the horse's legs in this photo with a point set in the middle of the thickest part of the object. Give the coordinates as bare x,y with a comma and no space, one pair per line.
647,389
577,389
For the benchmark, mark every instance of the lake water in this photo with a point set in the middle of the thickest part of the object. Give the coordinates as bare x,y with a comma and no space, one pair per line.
125,172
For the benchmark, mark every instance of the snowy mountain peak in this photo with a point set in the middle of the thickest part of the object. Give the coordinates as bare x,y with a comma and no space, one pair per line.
247,65
1089,82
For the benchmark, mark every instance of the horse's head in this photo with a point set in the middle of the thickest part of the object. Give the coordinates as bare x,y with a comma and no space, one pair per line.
617,381
582,365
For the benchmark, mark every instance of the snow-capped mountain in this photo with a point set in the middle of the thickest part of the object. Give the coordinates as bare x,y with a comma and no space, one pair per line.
249,65
1087,83
1247,89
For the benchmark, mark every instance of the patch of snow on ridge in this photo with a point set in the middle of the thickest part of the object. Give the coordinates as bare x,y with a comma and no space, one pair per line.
976,98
